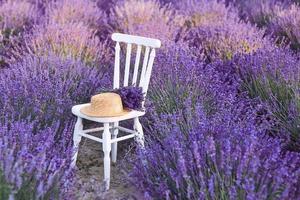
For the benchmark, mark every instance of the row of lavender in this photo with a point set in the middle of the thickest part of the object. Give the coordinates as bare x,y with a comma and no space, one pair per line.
50,57
224,99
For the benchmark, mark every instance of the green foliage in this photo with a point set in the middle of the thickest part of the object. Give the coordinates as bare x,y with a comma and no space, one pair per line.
170,97
27,191
283,101
4,187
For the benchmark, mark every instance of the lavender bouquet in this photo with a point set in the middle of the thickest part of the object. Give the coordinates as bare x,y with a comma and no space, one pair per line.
132,97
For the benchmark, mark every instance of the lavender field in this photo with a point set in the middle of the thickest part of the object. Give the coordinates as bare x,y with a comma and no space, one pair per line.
223,107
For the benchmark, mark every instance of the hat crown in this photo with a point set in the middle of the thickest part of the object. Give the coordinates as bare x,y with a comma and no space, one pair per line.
105,105
108,102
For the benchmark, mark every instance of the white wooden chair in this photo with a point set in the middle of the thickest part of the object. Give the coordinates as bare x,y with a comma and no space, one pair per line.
111,126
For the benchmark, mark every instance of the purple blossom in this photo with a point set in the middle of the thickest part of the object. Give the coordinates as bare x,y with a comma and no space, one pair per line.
75,11
146,18
272,77
75,40
206,138
217,31
285,26
16,14
132,97
38,93
223,103
247,165
259,12
45,88
25,162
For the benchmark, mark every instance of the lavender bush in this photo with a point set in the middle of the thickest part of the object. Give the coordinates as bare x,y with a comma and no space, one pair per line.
223,103
214,157
15,14
132,97
33,164
15,18
70,11
179,76
274,77
45,88
279,17
37,125
206,140
217,31
285,26
80,11
259,12
70,39
146,18
199,153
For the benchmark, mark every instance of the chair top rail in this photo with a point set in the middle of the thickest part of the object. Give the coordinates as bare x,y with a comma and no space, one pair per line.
119,37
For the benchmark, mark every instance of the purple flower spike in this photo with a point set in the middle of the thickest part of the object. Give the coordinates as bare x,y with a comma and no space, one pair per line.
132,97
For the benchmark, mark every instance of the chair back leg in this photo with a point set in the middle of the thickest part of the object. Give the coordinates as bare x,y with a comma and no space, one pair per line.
76,140
106,145
140,133
114,146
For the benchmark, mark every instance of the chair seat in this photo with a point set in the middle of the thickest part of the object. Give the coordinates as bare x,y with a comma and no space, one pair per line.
132,114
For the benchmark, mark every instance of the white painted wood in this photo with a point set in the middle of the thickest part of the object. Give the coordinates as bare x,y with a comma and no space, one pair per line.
117,66
140,133
123,138
145,63
126,130
76,140
114,146
106,150
110,138
148,71
127,65
137,63
119,37
94,129
132,134
91,137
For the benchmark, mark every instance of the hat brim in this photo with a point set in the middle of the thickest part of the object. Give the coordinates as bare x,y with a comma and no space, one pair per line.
87,110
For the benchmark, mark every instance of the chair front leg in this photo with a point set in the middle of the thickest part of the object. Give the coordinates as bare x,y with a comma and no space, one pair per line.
140,133
106,149
114,146
76,140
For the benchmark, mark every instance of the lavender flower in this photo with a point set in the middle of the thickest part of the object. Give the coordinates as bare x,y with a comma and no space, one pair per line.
45,88
16,17
32,170
15,14
217,31
285,26
240,160
75,11
147,18
259,12
273,76
132,97
70,39
206,12
223,103
210,141
38,93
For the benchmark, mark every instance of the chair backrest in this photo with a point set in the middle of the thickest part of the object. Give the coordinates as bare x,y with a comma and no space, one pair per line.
148,45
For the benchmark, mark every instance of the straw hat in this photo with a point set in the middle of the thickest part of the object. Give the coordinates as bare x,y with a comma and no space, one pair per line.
105,105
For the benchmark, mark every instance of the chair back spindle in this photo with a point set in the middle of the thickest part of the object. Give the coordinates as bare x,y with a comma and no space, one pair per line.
136,65
127,65
144,46
117,66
